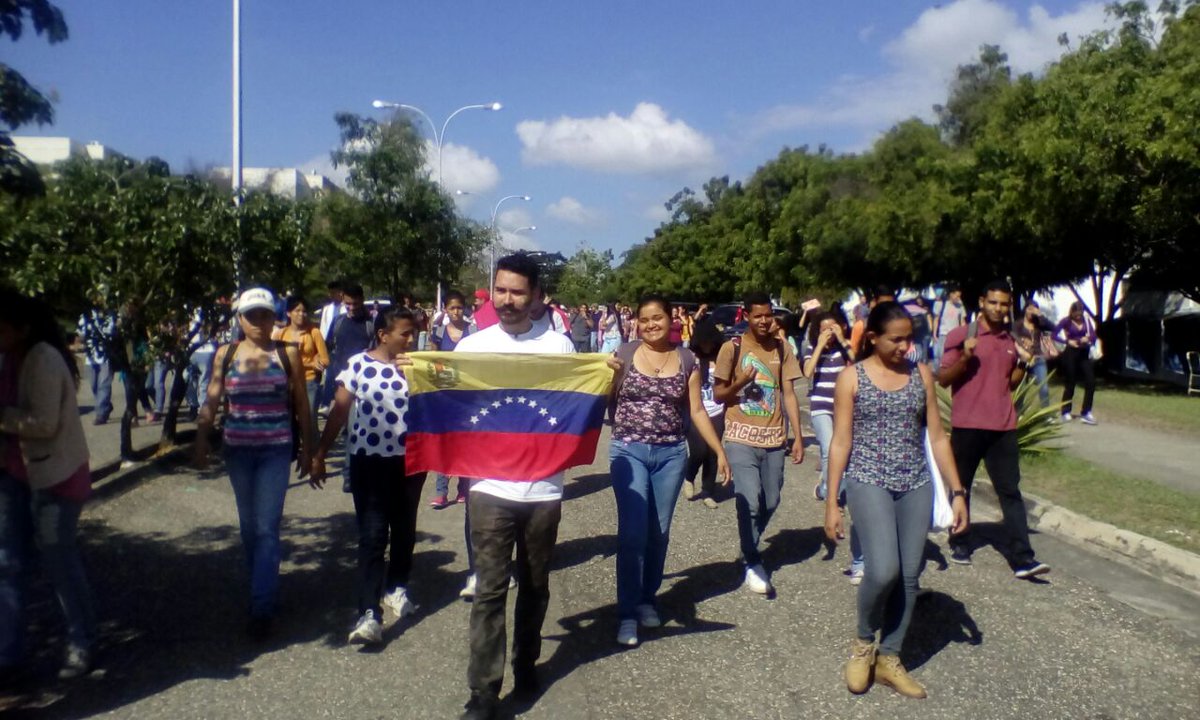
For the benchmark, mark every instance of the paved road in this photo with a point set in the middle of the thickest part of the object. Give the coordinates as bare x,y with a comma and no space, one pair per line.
165,561
1169,459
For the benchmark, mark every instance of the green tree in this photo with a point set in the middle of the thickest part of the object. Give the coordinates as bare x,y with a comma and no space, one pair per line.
20,102
395,230
585,277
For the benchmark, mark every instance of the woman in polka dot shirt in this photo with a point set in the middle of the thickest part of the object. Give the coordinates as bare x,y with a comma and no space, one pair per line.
372,395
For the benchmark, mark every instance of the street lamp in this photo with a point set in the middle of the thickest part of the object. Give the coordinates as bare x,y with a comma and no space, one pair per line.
438,138
492,236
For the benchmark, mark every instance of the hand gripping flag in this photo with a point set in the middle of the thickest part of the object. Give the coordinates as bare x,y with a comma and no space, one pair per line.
504,416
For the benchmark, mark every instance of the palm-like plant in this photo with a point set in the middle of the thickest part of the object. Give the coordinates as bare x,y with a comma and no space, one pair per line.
1037,426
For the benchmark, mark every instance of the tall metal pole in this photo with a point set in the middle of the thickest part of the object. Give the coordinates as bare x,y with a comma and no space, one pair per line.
236,179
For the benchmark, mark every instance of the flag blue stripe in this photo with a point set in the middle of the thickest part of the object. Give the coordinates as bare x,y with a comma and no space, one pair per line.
518,411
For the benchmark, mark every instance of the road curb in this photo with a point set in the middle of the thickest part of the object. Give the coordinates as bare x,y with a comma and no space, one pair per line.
1153,557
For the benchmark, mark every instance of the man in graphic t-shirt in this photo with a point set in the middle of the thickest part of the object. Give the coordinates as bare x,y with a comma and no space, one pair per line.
503,510
754,376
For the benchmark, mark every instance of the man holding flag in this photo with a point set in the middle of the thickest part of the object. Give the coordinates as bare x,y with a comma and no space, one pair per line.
519,501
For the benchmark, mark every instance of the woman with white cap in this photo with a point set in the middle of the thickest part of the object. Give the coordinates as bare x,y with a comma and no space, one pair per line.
267,415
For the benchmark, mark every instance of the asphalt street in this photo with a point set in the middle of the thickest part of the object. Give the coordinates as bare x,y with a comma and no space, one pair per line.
1096,641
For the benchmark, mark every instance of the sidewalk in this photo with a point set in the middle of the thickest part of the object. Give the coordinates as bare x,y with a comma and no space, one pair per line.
104,441
1170,460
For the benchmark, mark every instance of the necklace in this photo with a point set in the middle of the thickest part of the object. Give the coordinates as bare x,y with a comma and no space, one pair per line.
658,370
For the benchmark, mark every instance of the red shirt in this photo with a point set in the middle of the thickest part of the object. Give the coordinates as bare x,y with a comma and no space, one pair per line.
982,396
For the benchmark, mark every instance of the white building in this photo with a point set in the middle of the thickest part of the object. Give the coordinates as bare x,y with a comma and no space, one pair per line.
49,150
286,182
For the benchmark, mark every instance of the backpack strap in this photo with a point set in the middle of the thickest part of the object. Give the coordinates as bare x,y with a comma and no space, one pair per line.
625,353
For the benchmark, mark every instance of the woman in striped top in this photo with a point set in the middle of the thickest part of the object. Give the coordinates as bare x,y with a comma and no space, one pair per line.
264,383
829,353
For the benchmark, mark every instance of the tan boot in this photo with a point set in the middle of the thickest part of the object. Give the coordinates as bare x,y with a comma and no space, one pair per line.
889,671
858,669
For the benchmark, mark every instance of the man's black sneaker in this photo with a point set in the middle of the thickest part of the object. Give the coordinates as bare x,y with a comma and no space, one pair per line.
1031,569
961,556
481,707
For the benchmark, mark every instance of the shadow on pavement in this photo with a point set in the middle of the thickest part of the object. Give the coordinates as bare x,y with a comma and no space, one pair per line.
578,551
173,609
793,546
585,485
698,584
937,621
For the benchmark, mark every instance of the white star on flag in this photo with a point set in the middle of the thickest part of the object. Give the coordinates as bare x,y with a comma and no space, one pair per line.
484,412
533,403
496,404
543,412
508,400
521,399
553,421
474,420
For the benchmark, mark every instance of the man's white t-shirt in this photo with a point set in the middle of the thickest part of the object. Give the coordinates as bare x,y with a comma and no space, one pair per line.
539,340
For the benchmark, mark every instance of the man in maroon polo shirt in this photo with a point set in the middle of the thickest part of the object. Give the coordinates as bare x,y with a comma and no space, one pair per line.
982,364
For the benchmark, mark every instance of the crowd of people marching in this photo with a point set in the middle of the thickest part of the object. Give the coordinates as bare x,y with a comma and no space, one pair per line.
696,408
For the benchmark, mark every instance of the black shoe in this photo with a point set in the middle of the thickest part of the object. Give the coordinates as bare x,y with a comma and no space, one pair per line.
481,707
1031,569
99,420
526,686
961,556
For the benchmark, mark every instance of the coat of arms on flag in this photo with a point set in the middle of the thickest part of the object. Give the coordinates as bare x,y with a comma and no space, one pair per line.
504,416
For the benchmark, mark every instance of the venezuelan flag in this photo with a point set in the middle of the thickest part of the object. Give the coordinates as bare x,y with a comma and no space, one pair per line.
504,416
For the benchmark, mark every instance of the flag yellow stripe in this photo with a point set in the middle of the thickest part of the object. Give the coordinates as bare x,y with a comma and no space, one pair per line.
583,372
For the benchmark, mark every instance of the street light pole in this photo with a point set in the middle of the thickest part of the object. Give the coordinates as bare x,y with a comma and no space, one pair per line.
236,170
492,237
438,138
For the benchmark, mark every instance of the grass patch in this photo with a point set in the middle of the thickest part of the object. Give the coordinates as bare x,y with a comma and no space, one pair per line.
1131,503
1173,412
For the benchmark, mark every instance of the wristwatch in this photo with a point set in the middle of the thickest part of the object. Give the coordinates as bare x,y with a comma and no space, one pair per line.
958,493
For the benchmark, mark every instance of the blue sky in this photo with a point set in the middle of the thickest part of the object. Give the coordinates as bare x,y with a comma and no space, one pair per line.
609,108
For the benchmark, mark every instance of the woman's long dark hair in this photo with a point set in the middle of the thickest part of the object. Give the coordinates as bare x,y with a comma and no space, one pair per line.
35,317
880,316
706,344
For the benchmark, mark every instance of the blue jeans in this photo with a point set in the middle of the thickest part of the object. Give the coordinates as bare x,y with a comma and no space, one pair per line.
1040,373
40,519
757,485
823,429
442,485
101,384
646,480
260,480
199,372
893,529
157,383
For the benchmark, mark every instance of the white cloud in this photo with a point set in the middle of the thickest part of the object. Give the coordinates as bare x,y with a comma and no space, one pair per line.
657,212
570,210
647,141
866,33
462,169
514,218
323,165
923,58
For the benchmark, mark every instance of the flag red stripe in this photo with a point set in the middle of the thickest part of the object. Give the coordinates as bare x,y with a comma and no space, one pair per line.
499,455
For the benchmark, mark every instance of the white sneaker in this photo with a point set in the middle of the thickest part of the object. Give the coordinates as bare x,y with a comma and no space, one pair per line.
627,633
398,602
648,617
757,580
468,590
1087,419
855,575
367,631
1066,417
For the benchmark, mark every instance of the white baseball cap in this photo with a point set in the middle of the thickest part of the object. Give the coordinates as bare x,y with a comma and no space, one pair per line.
255,299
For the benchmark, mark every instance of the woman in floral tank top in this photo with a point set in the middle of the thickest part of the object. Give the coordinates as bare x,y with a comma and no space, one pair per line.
882,407
657,391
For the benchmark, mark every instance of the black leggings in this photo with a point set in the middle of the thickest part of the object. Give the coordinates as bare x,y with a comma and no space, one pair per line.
1076,366
385,499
